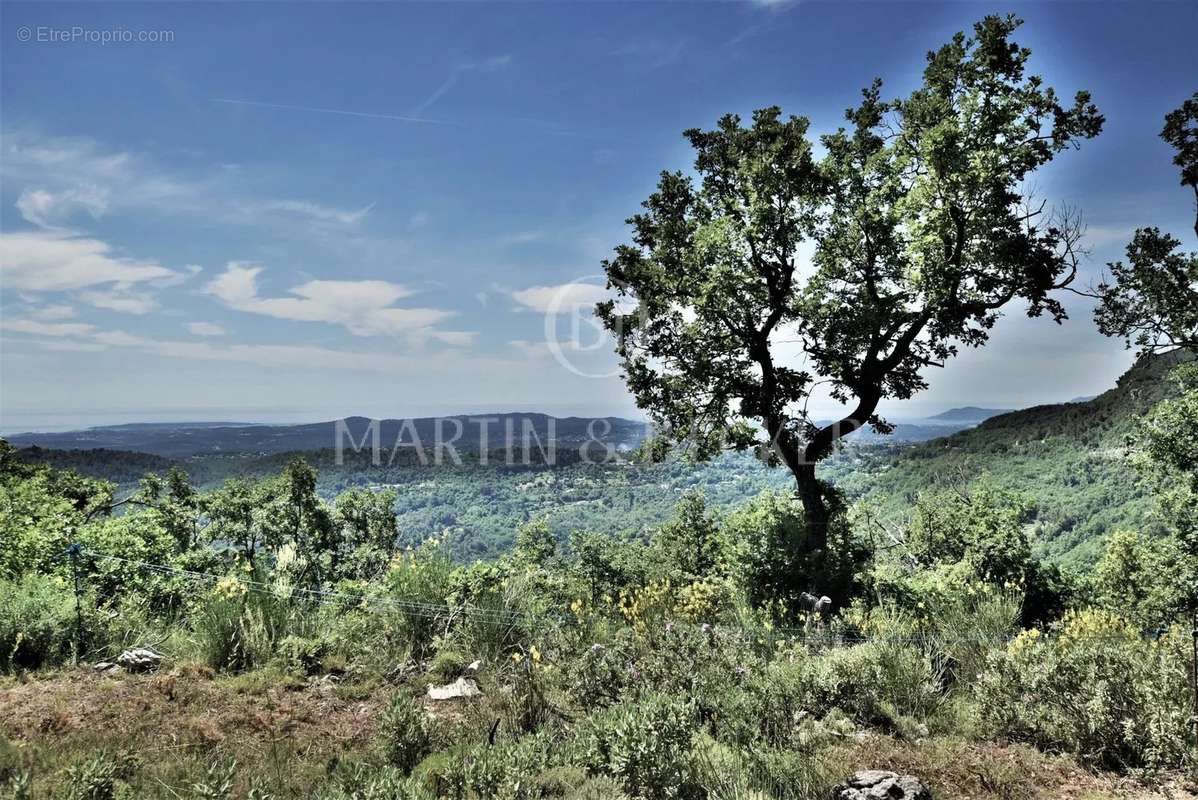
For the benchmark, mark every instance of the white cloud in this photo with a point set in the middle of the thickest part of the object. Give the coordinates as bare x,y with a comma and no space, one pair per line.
562,299
205,329
83,337
654,51
543,349
46,261
122,339
52,210
53,312
364,308
453,338
121,299
38,328
317,211
70,346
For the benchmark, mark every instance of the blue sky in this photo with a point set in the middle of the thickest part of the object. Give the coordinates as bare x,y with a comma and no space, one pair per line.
304,211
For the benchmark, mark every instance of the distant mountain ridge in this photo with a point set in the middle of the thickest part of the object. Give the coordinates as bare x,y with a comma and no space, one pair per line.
970,414
465,432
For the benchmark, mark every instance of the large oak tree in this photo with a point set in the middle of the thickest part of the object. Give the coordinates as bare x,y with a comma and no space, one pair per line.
918,232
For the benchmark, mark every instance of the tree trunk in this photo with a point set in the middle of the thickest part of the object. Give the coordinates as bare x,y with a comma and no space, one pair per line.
815,507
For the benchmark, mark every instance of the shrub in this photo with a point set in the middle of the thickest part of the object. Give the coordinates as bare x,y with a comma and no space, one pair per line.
217,783
774,567
37,622
507,771
94,779
238,629
405,735
303,656
448,664
1094,687
645,745
599,675
756,772
875,681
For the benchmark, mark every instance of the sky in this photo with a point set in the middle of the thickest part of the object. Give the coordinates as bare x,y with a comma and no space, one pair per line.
286,212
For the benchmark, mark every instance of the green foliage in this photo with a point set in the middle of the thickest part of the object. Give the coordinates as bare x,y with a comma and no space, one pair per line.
1167,440
135,537
921,234
40,511
1181,131
236,629
217,783
1094,687
37,623
644,745
1149,582
93,779
1071,458
535,544
691,546
1153,302
405,733
774,568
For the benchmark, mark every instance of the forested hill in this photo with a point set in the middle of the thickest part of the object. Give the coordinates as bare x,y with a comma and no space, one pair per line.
1068,458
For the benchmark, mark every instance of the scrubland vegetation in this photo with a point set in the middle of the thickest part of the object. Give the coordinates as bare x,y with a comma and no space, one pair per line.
300,640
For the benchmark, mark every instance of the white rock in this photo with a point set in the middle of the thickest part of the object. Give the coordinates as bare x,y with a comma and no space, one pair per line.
462,687
876,784
139,659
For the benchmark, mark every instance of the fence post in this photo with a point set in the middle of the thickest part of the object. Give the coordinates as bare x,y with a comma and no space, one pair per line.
73,551
1194,678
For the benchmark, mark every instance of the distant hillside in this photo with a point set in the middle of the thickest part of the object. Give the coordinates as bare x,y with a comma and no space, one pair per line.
1068,457
123,467
970,414
465,433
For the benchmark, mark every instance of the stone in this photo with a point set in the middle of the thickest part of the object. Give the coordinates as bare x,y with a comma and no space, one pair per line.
474,666
462,687
139,659
878,784
104,667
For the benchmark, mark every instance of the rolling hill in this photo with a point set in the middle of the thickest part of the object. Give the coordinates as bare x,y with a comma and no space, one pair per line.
1069,458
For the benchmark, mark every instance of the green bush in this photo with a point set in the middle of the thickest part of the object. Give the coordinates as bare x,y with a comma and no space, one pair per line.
1093,687
757,772
405,734
236,629
37,622
645,745
303,656
508,771
94,779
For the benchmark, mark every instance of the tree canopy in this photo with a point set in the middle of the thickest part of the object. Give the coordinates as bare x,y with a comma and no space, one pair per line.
918,233
1152,301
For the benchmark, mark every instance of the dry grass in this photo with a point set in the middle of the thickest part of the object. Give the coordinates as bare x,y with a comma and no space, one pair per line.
295,733
959,770
177,723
